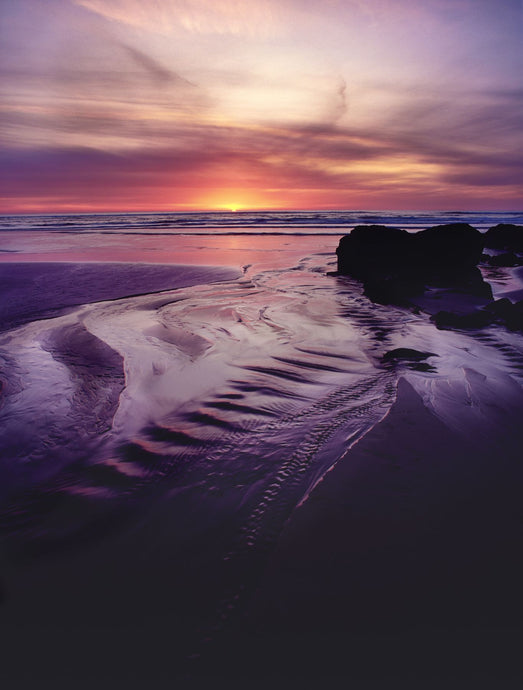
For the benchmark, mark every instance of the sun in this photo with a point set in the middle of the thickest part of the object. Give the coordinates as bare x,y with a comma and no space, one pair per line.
229,206
232,200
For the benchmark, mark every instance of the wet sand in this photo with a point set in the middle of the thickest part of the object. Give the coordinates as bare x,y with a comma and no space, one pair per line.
177,553
403,567
34,290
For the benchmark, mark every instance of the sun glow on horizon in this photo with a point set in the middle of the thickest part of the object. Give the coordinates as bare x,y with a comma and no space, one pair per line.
232,207
235,199
120,108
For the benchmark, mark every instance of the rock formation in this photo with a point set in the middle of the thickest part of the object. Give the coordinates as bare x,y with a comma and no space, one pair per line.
397,267
505,236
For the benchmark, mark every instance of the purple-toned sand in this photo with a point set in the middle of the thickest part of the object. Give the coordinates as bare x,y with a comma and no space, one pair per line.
223,473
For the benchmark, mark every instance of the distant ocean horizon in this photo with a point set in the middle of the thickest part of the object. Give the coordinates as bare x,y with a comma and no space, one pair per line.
247,222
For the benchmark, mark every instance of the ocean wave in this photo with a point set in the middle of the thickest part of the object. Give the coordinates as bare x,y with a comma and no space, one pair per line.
255,222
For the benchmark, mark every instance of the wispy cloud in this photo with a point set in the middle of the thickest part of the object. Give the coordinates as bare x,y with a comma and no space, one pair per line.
160,74
333,101
234,17
415,159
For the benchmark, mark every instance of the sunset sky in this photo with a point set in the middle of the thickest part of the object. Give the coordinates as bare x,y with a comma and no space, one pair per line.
213,104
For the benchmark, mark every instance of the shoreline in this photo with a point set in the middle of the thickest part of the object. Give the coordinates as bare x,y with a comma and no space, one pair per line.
34,290
402,561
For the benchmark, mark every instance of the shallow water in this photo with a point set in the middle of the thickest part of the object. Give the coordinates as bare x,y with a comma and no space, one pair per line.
218,404
230,375
155,445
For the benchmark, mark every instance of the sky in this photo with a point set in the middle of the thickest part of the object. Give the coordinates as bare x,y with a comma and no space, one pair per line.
127,105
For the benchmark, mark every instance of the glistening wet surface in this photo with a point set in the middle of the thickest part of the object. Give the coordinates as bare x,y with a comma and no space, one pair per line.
154,447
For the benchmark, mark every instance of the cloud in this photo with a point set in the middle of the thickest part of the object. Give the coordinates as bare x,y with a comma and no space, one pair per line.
413,158
222,17
336,105
160,74
266,94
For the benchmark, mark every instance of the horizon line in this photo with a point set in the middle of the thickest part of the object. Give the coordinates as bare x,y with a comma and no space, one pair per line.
253,210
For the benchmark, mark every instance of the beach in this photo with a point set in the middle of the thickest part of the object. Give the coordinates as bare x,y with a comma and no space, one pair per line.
213,469
402,568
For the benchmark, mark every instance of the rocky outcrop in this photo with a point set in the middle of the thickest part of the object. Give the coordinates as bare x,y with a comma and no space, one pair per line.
395,265
372,251
506,260
506,313
436,270
448,248
406,354
450,319
502,312
505,236
407,357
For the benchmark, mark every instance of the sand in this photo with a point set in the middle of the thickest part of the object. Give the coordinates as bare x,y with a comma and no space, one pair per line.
403,569
35,290
401,565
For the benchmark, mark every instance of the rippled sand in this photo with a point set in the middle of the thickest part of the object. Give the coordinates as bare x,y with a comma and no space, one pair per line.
162,435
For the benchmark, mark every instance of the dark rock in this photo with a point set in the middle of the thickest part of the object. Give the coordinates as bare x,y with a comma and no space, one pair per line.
501,311
515,320
449,247
395,265
392,290
504,312
469,282
505,236
505,259
375,251
500,308
372,251
421,366
449,319
406,353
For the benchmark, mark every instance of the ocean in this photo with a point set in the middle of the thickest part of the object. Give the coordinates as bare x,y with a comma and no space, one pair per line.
256,222
173,389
